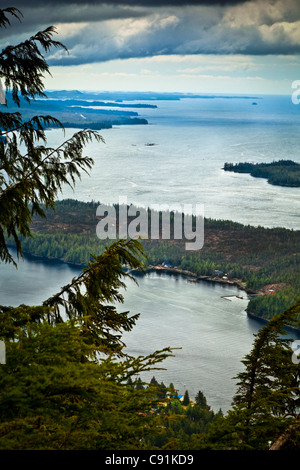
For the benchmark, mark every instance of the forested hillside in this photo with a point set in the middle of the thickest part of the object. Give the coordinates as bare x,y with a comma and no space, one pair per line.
263,261
66,379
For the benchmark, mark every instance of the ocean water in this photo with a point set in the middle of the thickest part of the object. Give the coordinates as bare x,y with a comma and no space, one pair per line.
193,138
207,322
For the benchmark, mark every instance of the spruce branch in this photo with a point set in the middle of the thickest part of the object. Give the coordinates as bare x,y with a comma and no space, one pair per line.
22,67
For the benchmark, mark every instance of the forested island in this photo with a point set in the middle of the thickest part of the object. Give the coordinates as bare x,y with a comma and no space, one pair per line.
281,173
265,262
67,381
133,96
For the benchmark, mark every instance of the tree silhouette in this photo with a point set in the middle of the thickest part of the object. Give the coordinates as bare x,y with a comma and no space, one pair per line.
63,385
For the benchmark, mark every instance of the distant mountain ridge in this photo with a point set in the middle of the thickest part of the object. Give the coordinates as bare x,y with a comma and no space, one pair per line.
120,96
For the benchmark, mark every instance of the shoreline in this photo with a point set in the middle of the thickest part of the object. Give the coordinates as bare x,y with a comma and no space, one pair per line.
197,278
293,329
234,282
177,271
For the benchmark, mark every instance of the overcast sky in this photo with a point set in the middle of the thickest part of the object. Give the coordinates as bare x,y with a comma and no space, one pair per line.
197,46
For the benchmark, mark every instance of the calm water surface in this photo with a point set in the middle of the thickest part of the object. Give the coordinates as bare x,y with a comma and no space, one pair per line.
193,139
207,321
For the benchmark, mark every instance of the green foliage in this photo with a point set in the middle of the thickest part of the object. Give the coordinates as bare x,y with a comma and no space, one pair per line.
254,257
182,425
271,378
55,395
186,398
201,400
34,178
22,66
267,306
68,382
64,384
266,403
282,172
31,174
89,296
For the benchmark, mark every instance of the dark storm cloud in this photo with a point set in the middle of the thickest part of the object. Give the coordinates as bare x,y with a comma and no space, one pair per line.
146,3
35,15
97,31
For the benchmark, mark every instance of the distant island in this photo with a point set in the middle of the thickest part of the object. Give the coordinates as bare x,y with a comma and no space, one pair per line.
132,96
85,103
100,110
81,113
281,173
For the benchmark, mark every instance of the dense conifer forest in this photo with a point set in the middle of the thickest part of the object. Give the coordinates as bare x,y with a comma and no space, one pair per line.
66,380
263,261
282,172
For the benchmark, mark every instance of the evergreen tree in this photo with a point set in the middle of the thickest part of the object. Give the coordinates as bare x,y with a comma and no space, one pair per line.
31,174
172,391
186,398
268,389
154,382
55,395
266,405
139,384
63,385
200,400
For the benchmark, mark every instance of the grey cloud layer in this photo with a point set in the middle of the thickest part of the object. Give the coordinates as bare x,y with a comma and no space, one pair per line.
99,31
147,3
